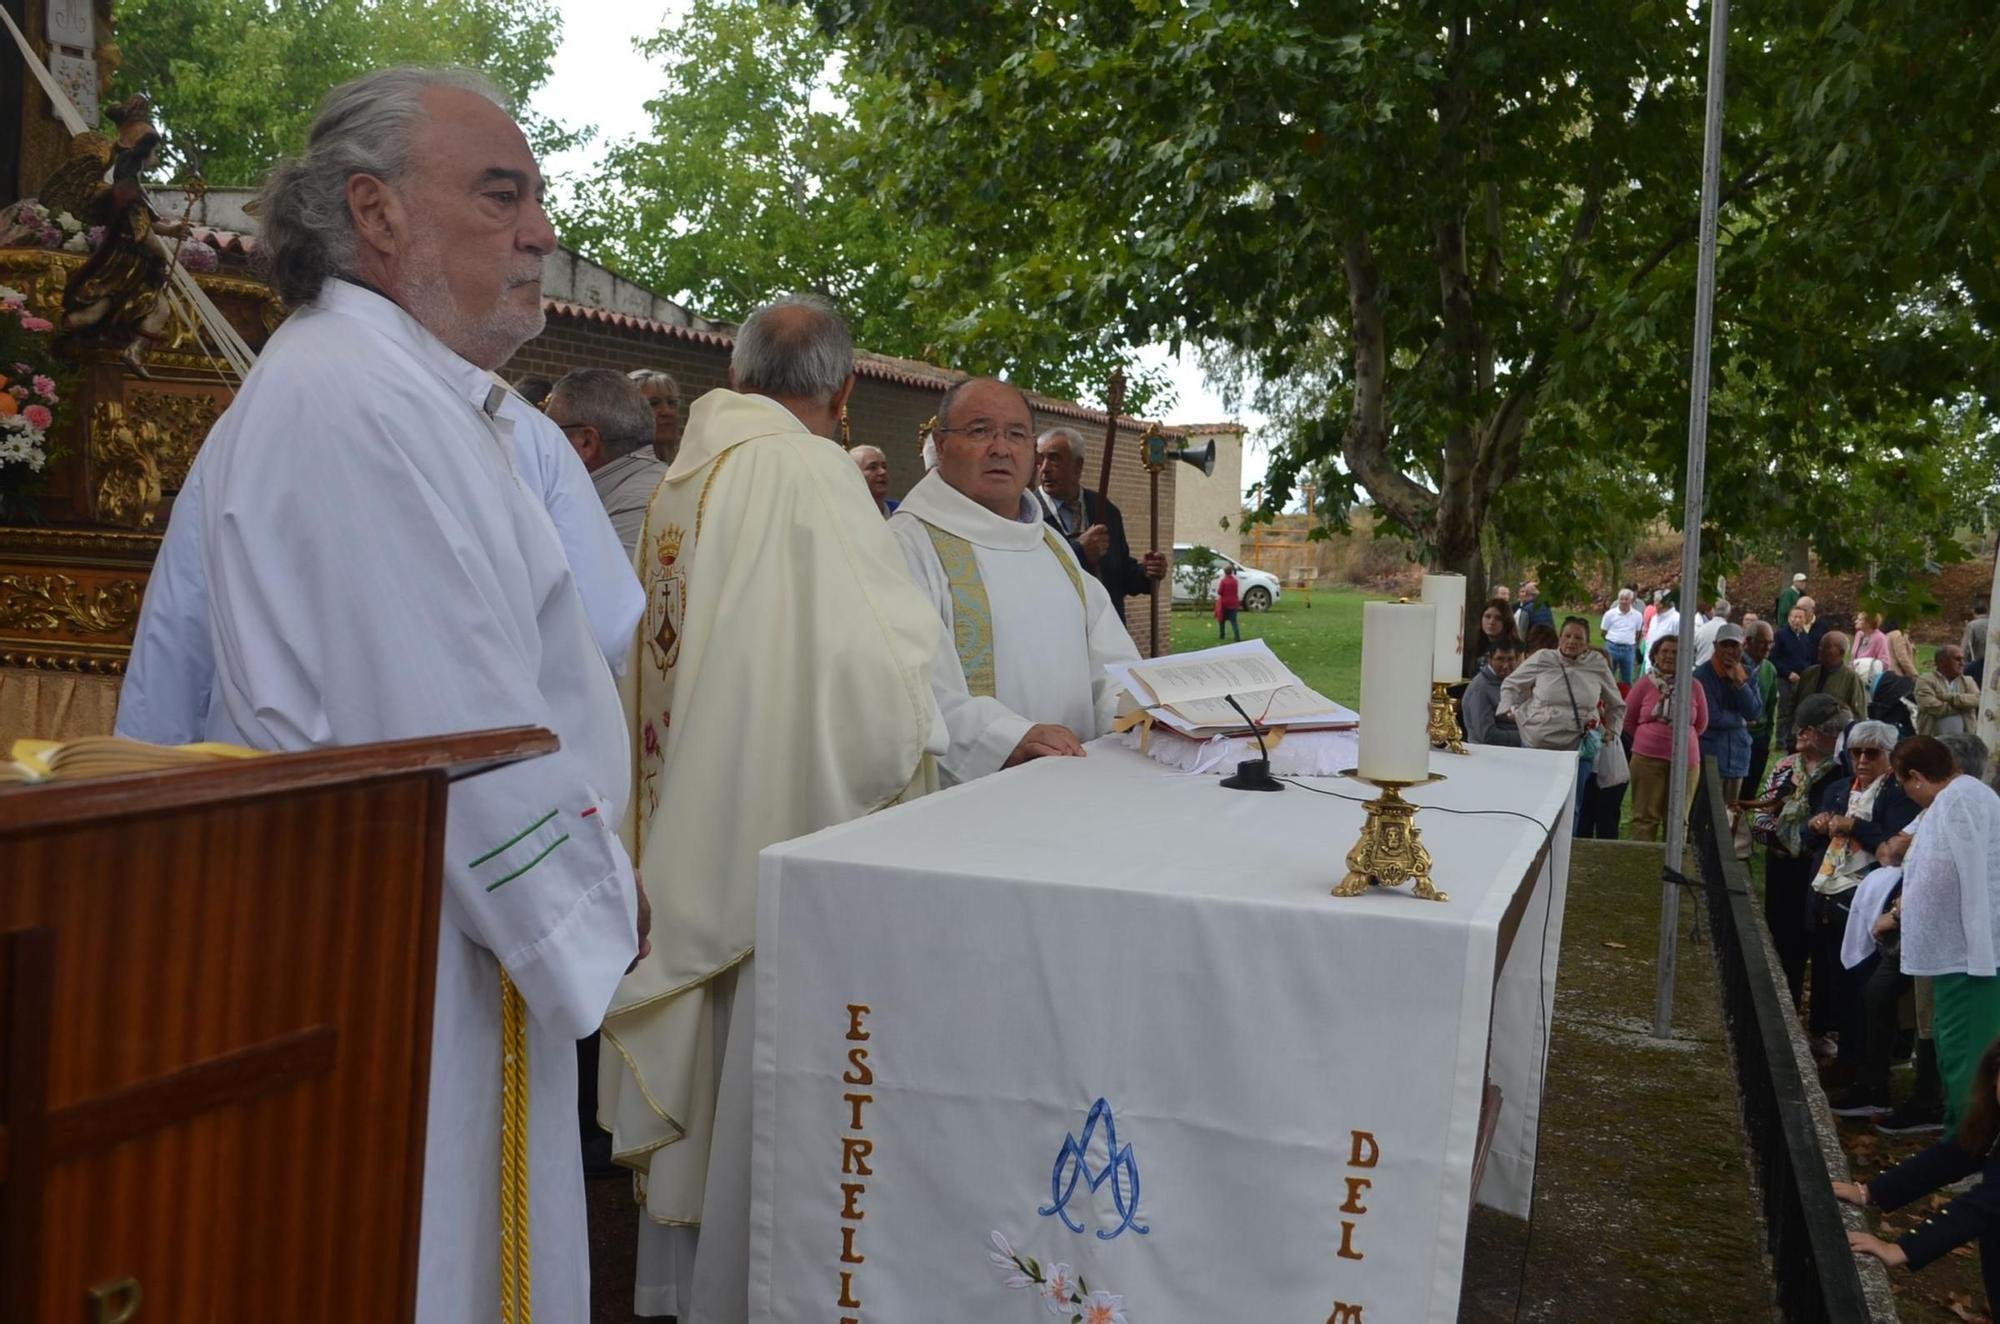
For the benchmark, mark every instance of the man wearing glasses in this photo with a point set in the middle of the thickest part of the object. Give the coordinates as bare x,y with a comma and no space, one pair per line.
1029,629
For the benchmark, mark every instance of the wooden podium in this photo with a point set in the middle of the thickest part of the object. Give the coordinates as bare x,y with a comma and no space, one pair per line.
215,1018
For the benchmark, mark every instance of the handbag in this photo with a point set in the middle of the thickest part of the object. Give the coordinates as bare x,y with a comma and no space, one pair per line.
1589,741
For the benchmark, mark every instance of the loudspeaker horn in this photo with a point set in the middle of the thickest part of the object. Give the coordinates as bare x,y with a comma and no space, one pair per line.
1203,459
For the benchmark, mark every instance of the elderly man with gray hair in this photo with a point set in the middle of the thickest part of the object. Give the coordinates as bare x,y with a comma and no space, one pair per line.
610,426
783,686
1093,527
372,558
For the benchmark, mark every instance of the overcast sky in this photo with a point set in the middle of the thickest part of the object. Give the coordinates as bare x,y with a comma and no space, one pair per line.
600,80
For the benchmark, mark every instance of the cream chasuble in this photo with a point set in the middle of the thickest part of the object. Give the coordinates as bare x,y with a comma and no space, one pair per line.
1021,647
781,685
375,571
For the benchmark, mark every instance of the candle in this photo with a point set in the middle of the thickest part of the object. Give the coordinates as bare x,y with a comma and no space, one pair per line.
1447,594
1396,643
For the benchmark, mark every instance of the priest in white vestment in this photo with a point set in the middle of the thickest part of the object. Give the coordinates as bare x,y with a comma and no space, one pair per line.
782,686
1028,630
170,677
376,569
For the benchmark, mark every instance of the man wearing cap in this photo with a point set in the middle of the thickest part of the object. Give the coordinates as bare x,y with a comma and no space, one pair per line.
1733,704
1788,597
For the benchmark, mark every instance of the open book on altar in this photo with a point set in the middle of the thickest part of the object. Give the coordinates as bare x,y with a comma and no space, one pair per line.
1186,692
100,756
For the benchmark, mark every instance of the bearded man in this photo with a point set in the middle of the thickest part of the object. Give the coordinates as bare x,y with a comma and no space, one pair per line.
374,569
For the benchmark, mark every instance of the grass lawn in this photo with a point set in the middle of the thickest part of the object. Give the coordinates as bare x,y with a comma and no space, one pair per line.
1321,642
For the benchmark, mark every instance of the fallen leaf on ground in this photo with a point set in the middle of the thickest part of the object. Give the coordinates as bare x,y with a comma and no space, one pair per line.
1615,946
1961,1308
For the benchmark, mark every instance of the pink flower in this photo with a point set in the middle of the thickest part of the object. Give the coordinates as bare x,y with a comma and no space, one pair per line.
29,322
18,392
45,387
1059,1290
22,367
38,417
1104,1308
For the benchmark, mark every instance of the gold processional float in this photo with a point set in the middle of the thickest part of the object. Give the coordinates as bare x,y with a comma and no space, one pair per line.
116,357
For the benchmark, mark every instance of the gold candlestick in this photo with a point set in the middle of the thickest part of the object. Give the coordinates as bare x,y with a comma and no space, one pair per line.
1391,850
1446,733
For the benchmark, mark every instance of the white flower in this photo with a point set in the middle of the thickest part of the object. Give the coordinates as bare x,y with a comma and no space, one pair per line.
76,243
1059,1290
67,221
8,294
1104,1308
1003,1259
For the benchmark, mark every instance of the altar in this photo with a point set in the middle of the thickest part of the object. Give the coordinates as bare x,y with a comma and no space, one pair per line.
1009,1062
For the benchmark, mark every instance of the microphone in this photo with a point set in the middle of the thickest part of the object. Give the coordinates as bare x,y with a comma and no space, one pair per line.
1252,774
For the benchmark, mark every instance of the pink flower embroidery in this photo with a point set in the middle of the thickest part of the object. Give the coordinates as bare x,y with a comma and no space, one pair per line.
1104,1308
30,322
1059,1290
38,417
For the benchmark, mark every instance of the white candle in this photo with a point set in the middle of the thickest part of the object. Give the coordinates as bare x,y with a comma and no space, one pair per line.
1447,594
1396,643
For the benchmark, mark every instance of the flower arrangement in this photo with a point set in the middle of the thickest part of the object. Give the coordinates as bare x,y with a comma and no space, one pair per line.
29,224
29,393
1060,1290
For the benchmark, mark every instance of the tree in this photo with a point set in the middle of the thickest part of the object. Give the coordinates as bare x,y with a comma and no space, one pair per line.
752,183
1462,239
235,83
1202,567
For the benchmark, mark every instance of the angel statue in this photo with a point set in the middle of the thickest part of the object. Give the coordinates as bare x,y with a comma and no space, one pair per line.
116,301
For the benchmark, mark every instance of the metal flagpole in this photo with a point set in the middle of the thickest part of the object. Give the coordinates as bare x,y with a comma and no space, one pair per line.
1697,458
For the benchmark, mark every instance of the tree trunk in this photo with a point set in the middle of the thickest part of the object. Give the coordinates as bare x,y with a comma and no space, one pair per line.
1798,559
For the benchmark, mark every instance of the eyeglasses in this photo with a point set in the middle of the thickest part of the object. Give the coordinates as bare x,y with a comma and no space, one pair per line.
984,431
1869,753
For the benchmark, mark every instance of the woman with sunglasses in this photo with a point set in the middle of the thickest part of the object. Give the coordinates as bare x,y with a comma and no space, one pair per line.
1566,698
1860,813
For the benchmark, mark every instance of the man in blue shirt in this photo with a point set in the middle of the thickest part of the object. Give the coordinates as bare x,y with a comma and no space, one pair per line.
1733,704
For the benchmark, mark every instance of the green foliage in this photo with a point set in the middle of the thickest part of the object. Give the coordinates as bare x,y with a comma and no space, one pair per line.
235,83
1202,567
1320,641
758,177
1454,251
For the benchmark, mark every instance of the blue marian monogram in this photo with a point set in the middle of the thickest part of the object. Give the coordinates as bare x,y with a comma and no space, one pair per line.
1120,1168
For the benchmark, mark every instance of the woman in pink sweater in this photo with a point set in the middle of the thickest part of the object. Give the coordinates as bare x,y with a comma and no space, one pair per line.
1649,716
1870,641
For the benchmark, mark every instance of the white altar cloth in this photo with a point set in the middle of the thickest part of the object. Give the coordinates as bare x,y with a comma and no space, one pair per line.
1276,1092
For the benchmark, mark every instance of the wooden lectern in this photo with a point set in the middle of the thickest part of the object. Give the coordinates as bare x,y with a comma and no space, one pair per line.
215,1018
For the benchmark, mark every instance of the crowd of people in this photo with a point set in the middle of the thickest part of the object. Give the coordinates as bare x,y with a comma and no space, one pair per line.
1859,776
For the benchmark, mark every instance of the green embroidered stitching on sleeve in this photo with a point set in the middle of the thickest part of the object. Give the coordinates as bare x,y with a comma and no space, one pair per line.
531,863
513,839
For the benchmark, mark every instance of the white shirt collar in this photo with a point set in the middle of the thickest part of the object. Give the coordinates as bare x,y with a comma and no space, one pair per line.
937,502
364,305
